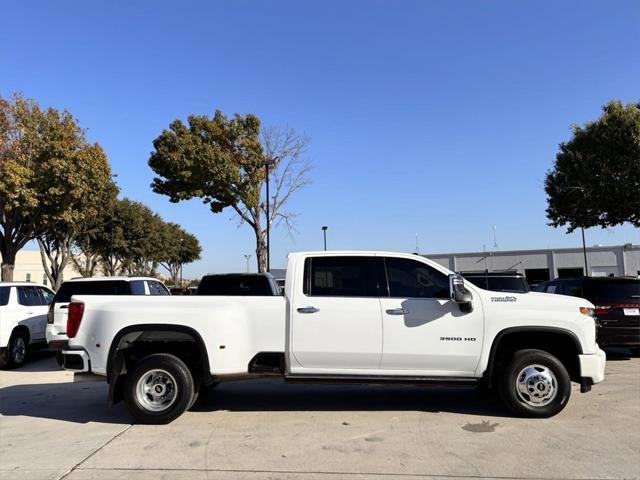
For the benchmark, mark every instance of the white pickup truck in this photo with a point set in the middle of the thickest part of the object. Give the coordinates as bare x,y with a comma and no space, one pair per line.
358,317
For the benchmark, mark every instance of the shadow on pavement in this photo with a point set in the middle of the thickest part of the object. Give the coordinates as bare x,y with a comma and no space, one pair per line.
275,395
40,360
87,402
71,402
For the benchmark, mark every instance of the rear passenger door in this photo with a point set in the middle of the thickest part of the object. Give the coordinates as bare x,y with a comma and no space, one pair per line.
336,320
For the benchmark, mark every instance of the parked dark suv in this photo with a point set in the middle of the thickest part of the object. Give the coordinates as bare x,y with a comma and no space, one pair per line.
498,281
617,301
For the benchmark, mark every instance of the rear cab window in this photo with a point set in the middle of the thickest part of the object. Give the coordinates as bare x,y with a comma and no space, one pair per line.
235,285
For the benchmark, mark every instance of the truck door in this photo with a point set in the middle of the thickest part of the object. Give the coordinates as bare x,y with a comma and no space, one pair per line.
336,320
423,329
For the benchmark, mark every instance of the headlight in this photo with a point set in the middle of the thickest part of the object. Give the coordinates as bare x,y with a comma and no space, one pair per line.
587,311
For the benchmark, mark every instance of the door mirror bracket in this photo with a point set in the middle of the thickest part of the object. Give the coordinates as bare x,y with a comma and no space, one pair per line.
459,293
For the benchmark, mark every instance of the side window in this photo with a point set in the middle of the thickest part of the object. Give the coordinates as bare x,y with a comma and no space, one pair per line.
340,277
411,279
4,295
47,296
28,296
156,288
137,287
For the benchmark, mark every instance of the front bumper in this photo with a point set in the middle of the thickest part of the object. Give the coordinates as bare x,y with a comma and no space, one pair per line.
592,367
76,360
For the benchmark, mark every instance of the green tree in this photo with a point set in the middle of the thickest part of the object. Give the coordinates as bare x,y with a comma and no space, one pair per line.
87,255
222,161
129,240
50,177
595,180
178,248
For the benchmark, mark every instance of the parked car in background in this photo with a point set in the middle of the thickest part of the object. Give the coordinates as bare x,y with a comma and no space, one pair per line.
56,319
239,284
23,320
498,281
617,302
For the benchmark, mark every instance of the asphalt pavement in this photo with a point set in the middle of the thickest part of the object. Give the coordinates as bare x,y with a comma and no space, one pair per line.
51,428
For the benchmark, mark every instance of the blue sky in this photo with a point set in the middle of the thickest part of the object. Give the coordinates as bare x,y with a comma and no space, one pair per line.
426,117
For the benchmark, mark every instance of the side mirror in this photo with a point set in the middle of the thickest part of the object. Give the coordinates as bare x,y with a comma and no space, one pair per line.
459,293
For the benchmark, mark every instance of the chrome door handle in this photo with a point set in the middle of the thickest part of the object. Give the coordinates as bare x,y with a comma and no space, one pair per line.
397,311
308,310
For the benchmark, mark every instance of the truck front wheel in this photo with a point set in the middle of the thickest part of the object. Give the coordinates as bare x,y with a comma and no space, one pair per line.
158,389
535,384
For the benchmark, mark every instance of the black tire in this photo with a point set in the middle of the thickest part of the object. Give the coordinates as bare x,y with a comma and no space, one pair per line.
15,355
171,389
193,401
535,384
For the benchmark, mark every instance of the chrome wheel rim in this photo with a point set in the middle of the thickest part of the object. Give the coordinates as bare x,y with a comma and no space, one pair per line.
18,350
156,390
536,385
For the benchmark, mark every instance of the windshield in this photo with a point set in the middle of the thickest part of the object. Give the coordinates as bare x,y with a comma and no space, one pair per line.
101,287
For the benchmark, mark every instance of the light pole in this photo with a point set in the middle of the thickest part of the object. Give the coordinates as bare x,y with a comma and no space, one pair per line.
324,232
268,163
181,240
584,252
247,256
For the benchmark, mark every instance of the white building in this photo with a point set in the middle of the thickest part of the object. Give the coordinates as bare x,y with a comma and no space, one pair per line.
28,268
541,265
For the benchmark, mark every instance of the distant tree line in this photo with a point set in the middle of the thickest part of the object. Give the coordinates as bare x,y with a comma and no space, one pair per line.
57,188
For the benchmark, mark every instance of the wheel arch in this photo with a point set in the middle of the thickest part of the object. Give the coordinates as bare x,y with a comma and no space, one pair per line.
116,362
22,329
540,336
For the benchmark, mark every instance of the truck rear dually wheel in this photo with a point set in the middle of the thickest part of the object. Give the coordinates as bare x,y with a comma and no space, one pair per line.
535,384
158,389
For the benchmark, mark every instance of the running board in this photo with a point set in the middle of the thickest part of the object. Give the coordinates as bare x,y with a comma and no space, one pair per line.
383,380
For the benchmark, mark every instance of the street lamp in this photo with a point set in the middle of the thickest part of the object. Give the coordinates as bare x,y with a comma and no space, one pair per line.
268,163
324,232
247,256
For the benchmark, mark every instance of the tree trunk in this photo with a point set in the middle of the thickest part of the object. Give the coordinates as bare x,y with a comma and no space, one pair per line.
261,251
57,253
8,264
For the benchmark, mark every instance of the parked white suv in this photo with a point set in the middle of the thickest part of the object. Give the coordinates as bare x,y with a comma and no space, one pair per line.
56,328
23,319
